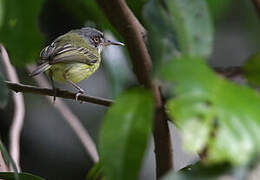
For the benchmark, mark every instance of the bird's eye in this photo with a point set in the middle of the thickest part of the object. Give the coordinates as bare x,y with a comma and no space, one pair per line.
96,39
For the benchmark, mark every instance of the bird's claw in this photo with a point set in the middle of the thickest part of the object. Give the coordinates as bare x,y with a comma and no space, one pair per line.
54,95
77,96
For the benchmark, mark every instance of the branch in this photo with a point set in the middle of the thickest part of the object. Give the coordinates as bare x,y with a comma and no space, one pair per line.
19,111
129,27
257,6
70,118
60,93
122,18
229,72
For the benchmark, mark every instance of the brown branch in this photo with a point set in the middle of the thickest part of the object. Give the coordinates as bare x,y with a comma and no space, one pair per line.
257,6
122,18
60,93
128,26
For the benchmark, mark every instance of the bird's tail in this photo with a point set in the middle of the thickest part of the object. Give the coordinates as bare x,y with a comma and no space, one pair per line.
41,68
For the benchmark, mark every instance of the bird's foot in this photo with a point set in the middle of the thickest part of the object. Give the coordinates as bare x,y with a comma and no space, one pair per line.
54,94
81,92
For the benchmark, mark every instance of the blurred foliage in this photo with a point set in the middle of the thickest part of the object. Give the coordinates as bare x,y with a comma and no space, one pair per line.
79,9
1,12
161,35
7,158
251,69
3,92
95,172
226,114
250,22
21,176
124,134
19,32
193,26
219,8
184,28
94,15
200,172
137,7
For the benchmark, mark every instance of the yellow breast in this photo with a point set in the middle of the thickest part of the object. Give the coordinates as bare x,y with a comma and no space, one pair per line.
76,72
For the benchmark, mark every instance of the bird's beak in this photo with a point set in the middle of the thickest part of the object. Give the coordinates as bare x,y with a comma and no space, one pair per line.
110,42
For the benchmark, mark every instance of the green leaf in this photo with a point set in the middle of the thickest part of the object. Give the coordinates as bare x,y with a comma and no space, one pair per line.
181,176
161,33
125,133
193,26
219,8
3,93
213,113
183,27
1,12
7,158
136,7
95,172
251,69
22,176
205,172
20,32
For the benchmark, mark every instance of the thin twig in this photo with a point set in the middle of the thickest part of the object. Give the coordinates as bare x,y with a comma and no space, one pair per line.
123,19
19,111
60,93
72,119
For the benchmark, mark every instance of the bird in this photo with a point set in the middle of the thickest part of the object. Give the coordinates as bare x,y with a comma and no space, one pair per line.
73,57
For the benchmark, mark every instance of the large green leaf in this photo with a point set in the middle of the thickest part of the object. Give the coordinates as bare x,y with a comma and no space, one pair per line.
193,26
182,27
3,92
19,32
213,113
124,135
21,176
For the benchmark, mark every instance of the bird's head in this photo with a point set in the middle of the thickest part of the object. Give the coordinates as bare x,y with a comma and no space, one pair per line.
96,38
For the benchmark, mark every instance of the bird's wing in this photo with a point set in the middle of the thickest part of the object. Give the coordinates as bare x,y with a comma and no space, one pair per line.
63,50
70,54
